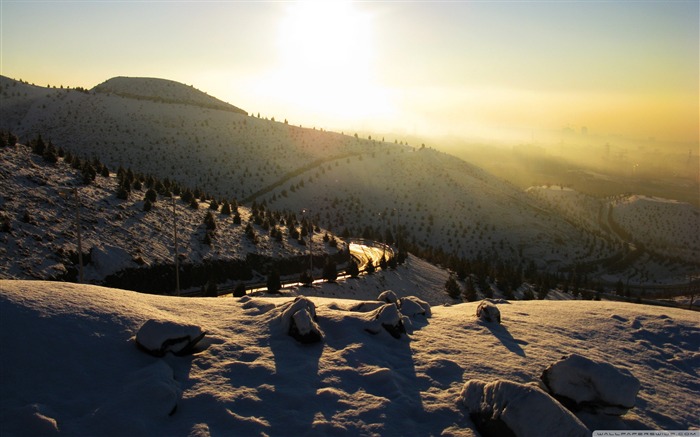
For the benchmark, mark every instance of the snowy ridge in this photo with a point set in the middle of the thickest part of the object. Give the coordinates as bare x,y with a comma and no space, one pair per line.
162,90
248,375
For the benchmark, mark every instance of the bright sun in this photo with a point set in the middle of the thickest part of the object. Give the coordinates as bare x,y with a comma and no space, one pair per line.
326,60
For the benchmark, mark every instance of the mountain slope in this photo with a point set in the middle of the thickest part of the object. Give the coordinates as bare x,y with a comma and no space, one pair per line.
39,238
430,200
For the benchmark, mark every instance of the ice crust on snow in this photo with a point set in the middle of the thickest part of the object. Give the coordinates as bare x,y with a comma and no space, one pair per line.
584,384
502,408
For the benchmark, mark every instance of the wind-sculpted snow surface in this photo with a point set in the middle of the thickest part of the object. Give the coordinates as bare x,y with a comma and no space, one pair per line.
70,365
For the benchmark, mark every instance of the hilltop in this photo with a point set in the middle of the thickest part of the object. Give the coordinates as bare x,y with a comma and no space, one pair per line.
438,206
162,90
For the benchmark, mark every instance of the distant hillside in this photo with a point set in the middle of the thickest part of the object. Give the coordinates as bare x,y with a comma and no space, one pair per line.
162,90
122,241
439,205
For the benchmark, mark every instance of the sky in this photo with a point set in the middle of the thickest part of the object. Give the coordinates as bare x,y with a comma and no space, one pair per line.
472,69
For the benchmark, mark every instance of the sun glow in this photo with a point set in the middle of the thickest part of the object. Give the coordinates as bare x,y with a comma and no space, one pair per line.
326,62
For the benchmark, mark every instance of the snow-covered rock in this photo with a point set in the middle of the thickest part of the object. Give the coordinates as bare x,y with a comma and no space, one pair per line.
507,408
158,337
388,296
584,384
412,306
300,318
389,318
488,312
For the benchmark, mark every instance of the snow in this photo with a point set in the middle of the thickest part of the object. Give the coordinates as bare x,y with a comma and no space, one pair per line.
159,337
589,384
71,367
524,409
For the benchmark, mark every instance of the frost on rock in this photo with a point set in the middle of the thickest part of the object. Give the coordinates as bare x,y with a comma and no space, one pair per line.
506,408
412,306
300,318
389,318
388,296
488,312
582,384
158,337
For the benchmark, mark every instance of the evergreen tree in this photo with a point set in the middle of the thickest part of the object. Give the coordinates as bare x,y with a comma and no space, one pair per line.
330,270
353,269
239,291
210,221
147,205
151,195
225,208
273,281
469,290
452,287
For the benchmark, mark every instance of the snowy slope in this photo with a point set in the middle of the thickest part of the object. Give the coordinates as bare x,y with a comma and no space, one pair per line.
347,182
38,205
71,367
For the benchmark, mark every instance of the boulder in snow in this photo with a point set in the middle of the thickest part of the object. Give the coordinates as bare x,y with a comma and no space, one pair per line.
412,306
506,408
158,337
582,384
366,306
389,296
488,312
389,318
300,317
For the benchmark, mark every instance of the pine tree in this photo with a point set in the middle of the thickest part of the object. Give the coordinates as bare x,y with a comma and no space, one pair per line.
225,208
330,270
147,205
273,281
353,269
239,291
210,221
151,195
452,287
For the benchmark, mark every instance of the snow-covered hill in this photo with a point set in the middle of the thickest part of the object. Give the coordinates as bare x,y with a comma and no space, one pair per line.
71,366
38,239
431,200
162,90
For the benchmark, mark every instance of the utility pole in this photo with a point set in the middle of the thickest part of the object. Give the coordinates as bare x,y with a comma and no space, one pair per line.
80,240
177,257
65,193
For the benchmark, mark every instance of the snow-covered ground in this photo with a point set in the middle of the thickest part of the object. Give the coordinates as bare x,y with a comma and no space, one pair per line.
70,365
